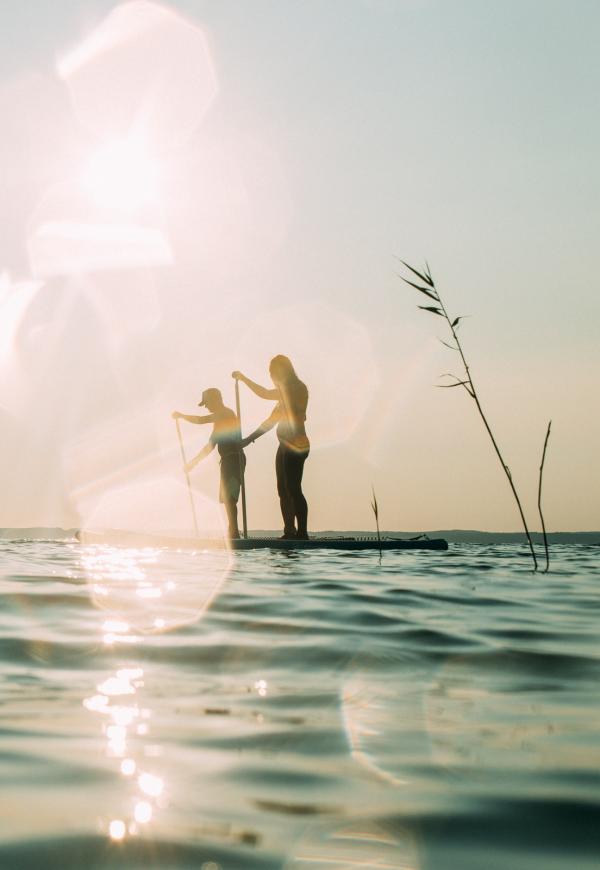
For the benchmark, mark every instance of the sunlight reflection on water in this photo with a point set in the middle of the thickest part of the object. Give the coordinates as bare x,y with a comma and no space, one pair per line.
122,728
136,587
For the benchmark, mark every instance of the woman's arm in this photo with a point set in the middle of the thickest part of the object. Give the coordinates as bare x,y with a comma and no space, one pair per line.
265,426
261,392
191,418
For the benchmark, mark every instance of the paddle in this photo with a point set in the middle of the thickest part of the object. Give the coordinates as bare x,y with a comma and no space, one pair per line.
242,480
187,477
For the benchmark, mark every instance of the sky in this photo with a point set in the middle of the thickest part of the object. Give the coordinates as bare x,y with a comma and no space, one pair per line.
189,188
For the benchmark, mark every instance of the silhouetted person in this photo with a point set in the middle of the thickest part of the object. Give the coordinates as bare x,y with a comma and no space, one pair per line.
289,416
226,437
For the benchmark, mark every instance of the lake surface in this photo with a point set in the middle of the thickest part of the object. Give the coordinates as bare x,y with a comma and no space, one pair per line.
304,710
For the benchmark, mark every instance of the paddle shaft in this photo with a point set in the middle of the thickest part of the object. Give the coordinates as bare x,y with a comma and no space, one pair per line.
187,477
242,476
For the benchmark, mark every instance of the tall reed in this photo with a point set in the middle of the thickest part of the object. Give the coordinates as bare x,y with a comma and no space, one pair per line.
375,509
429,289
540,498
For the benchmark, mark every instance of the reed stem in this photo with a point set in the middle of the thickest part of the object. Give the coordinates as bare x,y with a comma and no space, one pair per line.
540,498
432,292
375,508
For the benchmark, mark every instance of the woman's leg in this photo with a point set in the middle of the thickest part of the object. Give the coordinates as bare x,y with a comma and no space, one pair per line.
294,468
285,500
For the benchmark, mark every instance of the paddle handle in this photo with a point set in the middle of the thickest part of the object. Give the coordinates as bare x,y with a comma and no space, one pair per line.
187,477
242,475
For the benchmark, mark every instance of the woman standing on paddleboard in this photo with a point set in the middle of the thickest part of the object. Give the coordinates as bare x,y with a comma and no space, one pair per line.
289,416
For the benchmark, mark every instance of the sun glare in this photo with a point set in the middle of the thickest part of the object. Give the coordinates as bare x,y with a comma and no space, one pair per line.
122,175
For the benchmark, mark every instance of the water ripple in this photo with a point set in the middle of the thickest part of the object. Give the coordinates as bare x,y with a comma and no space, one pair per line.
167,709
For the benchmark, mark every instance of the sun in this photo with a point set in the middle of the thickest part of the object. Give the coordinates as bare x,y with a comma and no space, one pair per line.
123,175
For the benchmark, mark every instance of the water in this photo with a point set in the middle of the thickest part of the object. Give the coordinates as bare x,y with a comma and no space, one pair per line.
304,710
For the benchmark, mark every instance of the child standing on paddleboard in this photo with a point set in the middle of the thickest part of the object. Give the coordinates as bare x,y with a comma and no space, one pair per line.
226,437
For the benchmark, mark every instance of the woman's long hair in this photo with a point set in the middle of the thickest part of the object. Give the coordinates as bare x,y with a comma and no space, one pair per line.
281,369
291,398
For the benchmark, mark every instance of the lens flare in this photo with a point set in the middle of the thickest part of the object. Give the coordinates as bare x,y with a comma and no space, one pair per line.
68,237
370,713
122,174
142,62
360,844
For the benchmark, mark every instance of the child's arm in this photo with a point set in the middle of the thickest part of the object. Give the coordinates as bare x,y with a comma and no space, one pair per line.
208,448
192,418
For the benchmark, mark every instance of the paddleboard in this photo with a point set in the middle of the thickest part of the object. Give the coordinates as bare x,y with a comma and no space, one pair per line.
134,539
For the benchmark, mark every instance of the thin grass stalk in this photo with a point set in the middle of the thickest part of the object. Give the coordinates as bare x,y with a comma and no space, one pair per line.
474,395
375,509
540,498
432,292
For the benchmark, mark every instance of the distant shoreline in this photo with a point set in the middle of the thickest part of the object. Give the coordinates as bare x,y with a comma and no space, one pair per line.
453,536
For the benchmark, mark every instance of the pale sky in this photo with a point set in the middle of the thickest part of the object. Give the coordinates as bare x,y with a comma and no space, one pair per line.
192,187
